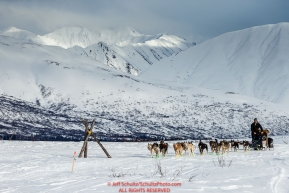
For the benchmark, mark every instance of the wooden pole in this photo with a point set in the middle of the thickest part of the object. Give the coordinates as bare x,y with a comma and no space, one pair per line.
85,150
95,139
88,132
84,146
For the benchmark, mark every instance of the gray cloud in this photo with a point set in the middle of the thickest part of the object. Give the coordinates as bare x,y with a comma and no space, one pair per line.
187,17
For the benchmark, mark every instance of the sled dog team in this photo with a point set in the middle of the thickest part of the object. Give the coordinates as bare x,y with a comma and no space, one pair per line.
260,140
189,148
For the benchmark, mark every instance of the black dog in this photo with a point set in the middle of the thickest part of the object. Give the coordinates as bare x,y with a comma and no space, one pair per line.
234,144
185,148
246,145
202,146
163,148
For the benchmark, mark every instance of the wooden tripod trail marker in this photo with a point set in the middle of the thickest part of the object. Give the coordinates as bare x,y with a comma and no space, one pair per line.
88,132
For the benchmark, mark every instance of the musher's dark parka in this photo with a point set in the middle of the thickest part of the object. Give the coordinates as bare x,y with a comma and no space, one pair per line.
255,128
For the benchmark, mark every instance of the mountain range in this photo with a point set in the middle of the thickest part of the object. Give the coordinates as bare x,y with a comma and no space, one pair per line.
124,49
143,86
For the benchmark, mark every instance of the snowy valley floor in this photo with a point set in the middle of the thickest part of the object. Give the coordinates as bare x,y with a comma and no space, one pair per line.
46,167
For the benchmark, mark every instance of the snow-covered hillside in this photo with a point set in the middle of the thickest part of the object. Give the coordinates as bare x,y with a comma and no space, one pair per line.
252,62
123,49
46,90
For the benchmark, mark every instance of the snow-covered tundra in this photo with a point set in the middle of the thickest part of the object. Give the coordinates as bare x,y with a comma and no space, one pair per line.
47,167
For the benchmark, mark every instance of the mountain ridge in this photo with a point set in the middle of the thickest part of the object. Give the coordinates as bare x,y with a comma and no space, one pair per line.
245,61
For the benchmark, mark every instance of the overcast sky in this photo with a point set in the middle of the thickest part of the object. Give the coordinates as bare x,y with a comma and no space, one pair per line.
207,18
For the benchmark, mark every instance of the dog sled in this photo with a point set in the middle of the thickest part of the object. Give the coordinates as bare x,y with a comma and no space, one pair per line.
262,142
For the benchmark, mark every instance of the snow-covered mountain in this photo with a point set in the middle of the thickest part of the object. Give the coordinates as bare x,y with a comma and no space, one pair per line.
124,49
68,37
135,55
144,51
21,34
45,90
103,53
252,62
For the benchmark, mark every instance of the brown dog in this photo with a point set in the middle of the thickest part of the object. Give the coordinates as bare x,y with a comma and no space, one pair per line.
178,147
154,149
191,148
225,147
213,145
218,148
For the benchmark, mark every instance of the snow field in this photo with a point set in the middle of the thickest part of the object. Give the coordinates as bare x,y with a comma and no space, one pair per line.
46,167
